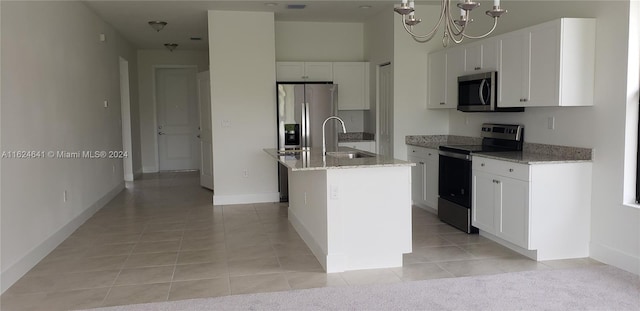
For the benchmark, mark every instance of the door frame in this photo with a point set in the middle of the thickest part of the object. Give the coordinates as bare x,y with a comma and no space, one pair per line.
154,70
391,142
125,119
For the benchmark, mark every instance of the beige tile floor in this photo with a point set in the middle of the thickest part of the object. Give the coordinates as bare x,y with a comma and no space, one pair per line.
161,239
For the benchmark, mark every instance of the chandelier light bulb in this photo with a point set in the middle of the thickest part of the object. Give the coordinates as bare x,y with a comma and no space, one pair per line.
157,25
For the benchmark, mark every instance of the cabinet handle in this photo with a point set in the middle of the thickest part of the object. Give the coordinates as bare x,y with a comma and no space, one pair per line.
481,164
421,163
525,100
477,68
429,154
510,170
442,103
413,151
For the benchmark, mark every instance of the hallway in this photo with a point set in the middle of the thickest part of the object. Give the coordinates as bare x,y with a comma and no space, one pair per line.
160,239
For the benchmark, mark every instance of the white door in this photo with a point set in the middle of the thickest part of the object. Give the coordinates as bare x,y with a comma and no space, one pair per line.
385,111
206,146
177,116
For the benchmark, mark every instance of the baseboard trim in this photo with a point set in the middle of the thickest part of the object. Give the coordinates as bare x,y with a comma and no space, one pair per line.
246,198
137,174
149,169
615,257
22,266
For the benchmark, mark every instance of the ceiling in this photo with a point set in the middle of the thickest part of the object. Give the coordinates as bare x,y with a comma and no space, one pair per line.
188,18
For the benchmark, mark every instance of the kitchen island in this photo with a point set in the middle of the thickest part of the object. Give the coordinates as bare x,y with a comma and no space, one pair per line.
353,213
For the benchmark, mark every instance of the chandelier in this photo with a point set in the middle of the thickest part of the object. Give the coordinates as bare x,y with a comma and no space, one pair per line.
454,29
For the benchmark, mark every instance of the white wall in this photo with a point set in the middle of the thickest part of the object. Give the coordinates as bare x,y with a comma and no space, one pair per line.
148,60
615,228
410,115
378,49
242,57
55,76
319,41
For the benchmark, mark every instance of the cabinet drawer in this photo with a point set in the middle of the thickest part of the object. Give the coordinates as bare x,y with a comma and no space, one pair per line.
421,152
502,168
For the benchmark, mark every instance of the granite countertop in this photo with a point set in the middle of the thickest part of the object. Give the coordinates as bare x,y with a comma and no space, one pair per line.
532,153
523,157
313,160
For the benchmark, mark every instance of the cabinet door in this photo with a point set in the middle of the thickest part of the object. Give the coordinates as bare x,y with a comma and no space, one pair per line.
352,82
483,214
473,58
318,72
417,180
513,80
437,81
512,208
431,179
290,71
481,57
545,61
455,68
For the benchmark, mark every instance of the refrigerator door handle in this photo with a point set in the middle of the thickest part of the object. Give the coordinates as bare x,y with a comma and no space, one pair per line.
303,130
307,128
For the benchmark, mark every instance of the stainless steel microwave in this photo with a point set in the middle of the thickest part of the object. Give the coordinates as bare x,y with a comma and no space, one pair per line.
479,93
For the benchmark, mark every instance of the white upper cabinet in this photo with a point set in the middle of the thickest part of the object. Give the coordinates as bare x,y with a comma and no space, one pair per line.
445,67
352,79
481,56
436,80
550,64
304,71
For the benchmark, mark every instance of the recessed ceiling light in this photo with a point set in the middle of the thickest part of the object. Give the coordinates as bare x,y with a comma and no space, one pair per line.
296,6
365,6
271,4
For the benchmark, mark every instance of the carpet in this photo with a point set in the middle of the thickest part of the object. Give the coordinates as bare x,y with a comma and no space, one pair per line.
592,288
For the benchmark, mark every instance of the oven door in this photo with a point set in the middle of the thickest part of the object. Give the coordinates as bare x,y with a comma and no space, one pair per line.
454,180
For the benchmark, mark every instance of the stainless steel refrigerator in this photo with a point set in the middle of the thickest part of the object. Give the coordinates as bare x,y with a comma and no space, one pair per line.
302,108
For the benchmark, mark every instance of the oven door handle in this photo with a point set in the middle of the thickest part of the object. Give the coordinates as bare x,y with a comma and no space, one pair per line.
461,156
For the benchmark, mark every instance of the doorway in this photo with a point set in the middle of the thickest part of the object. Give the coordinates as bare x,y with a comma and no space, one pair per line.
177,119
384,86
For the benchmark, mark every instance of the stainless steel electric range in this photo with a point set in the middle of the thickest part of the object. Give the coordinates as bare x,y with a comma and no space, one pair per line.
454,180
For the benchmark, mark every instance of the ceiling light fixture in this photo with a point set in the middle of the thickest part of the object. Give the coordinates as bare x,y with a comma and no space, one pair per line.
271,4
453,29
157,25
171,46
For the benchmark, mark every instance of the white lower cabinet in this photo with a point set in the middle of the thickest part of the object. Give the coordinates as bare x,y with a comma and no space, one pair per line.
424,176
539,210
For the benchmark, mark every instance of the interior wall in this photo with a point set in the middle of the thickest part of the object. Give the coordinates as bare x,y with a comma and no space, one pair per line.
378,49
615,228
411,116
148,60
319,41
56,75
243,99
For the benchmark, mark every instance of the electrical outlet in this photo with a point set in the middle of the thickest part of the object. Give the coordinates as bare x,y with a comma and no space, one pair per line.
245,174
64,196
106,103
551,123
226,123
334,192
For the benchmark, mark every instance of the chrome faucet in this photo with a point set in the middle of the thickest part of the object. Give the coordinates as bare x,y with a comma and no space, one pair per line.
324,141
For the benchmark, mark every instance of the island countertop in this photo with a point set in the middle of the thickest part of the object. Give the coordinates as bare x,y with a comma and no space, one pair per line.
313,160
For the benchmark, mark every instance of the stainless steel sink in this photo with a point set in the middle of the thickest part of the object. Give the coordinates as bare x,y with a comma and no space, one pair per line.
349,154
